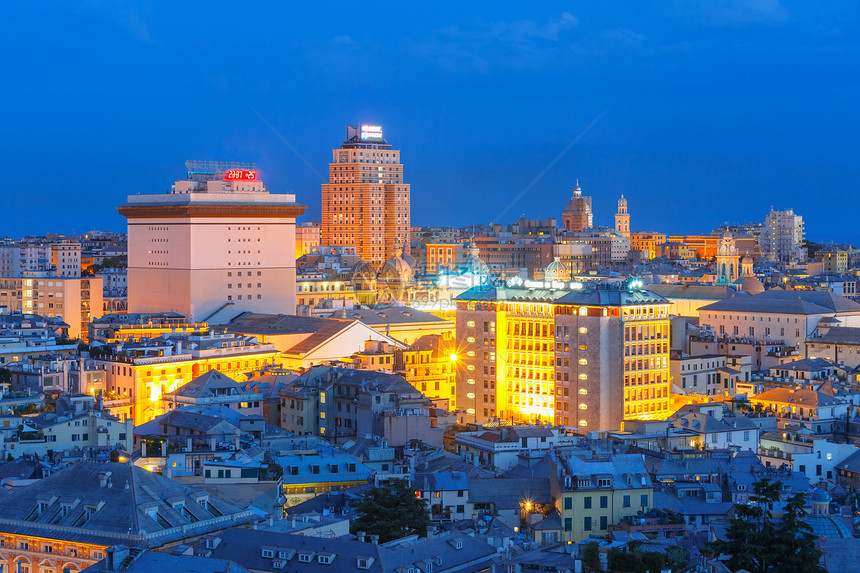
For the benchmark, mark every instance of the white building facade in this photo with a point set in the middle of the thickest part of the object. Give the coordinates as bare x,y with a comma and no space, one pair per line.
218,240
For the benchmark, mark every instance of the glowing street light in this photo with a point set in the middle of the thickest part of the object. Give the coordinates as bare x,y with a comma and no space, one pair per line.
453,357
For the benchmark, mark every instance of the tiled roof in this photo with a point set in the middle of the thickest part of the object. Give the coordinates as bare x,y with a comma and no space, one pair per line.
390,315
593,297
203,386
840,335
244,546
805,365
799,397
787,302
131,508
694,292
508,493
268,324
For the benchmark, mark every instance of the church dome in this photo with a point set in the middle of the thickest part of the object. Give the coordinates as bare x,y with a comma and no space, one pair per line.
363,270
474,263
820,496
556,271
410,260
396,268
751,284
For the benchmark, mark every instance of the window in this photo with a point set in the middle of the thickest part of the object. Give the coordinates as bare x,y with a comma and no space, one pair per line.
626,501
586,524
604,501
604,522
568,524
568,503
587,502
644,500
268,553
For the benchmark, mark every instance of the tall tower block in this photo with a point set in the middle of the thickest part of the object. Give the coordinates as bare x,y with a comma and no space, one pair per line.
365,204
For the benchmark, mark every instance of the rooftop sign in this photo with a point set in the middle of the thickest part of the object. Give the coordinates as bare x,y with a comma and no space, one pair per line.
371,132
240,175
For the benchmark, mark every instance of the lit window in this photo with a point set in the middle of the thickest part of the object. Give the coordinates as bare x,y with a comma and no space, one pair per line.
583,376
583,361
583,311
583,406
583,423
583,330
583,392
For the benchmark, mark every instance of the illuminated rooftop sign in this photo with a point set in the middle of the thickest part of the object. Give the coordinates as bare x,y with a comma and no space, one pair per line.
240,175
370,132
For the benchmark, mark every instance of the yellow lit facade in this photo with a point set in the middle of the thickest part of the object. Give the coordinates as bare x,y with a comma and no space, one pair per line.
310,292
649,243
145,380
586,359
136,332
430,365
26,553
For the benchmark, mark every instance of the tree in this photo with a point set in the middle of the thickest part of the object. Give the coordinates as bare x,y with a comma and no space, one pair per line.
796,543
391,511
756,543
5,376
591,555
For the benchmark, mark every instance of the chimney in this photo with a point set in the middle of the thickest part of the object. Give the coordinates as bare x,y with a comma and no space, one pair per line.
361,536
431,531
374,539
114,557
104,478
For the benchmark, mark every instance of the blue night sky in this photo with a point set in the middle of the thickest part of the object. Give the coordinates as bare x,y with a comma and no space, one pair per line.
712,111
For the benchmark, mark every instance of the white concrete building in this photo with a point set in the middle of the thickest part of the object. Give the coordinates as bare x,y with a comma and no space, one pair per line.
782,236
820,464
218,241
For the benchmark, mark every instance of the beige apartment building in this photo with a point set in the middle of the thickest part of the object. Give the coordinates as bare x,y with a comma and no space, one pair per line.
218,241
365,204
74,300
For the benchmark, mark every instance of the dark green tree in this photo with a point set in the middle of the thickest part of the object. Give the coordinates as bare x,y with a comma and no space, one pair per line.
5,376
756,543
391,511
795,542
591,555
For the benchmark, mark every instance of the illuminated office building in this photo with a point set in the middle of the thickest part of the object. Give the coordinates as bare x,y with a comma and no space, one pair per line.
365,204
585,358
218,241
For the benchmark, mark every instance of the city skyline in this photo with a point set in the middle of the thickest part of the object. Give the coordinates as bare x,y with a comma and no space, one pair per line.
706,115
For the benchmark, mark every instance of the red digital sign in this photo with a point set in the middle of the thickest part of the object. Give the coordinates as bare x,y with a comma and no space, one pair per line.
240,175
